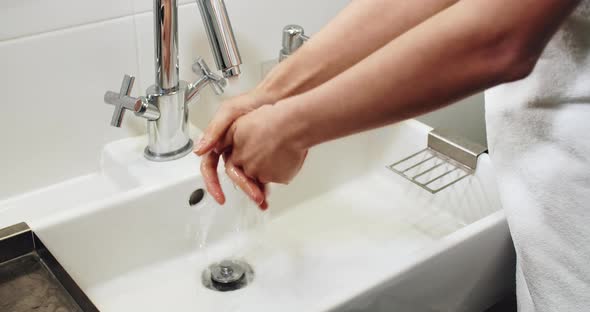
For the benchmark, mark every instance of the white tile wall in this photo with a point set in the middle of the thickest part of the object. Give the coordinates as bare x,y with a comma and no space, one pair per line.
58,57
25,17
259,40
53,121
148,5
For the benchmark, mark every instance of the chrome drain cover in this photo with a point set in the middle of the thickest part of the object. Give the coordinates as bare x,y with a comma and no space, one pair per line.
227,275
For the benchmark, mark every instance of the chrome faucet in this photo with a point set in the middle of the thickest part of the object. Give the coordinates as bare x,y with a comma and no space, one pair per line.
293,38
165,106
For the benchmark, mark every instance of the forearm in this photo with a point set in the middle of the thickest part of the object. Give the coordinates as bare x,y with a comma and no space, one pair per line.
454,54
360,29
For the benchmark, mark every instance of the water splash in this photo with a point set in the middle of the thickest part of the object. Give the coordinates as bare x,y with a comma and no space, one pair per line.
232,222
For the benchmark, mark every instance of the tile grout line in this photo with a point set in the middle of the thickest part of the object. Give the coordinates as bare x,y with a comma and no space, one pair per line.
63,29
75,26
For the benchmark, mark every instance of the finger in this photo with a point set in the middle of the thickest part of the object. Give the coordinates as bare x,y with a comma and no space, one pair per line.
247,185
227,140
264,188
216,128
209,171
261,186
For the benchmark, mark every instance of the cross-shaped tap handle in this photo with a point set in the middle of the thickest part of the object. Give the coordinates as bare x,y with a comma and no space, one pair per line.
216,82
123,101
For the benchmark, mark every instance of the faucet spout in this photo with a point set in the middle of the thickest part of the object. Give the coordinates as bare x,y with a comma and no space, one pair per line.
165,105
221,37
166,44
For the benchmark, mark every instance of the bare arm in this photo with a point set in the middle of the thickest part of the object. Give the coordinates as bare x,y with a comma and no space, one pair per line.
360,29
473,45
470,46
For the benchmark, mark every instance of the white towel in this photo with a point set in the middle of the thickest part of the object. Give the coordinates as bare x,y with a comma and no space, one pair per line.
539,140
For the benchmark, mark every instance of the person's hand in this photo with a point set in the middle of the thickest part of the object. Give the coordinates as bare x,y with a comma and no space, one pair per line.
264,146
252,188
206,147
227,113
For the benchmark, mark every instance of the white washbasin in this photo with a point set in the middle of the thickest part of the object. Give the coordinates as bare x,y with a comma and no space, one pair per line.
346,235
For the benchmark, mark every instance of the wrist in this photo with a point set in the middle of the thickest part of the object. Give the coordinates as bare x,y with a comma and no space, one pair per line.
291,77
270,88
291,124
264,96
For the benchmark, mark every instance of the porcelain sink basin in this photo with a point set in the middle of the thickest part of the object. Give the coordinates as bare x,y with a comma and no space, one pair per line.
346,235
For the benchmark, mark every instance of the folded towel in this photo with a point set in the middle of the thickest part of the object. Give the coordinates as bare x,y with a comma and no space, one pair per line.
539,140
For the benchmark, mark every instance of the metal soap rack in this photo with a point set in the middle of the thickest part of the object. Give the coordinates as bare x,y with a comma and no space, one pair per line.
447,159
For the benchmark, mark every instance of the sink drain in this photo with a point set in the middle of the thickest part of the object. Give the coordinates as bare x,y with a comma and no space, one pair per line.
227,275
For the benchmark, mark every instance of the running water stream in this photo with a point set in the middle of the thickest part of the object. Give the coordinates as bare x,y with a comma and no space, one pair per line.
233,221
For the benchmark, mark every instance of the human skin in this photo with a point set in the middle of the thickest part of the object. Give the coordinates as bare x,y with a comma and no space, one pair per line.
310,67
463,48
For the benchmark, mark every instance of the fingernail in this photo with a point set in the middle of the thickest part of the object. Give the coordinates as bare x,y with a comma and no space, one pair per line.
256,199
200,145
220,198
263,206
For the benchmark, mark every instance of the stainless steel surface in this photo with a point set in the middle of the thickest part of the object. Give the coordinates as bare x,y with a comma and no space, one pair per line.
293,38
165,105
123,101
166,43
15,241
227,275
221,36
447,160
207,77
168,135
456,147
227,272
26,285
32,279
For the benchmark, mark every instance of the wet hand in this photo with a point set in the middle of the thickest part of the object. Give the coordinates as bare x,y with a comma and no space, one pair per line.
227,113
209,147
262,145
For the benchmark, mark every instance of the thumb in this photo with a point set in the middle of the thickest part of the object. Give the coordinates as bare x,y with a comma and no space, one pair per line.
227,140
216,129
248,185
